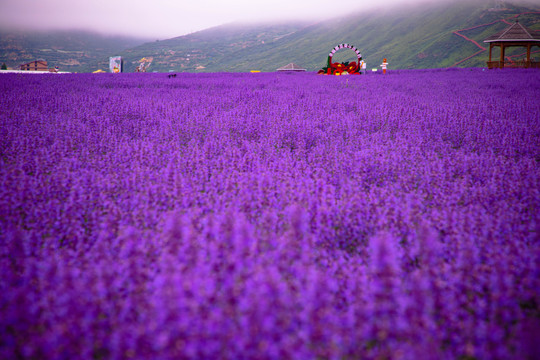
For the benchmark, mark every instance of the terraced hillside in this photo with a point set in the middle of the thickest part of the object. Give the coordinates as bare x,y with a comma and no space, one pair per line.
412,37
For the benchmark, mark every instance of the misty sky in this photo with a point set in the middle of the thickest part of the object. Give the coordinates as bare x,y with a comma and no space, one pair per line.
163,19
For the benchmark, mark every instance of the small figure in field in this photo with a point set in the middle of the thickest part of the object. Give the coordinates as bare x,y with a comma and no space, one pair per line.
172,76
383,65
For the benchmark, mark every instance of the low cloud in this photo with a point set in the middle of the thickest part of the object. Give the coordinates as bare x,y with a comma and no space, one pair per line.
169,18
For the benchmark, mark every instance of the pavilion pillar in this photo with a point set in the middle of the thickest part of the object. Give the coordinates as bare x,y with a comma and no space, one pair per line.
502,56
490,47
528,64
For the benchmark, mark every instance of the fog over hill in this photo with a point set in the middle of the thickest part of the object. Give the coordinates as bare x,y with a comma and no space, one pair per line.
417,35
413,36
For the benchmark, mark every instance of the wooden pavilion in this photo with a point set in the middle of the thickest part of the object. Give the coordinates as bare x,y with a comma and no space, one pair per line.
292,67
515,35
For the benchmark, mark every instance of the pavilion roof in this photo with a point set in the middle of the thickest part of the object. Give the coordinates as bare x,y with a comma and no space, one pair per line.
34,61
513,33
291,67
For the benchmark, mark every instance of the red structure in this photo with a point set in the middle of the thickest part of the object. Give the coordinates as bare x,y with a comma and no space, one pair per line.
384,65
37,65
515,35
345,68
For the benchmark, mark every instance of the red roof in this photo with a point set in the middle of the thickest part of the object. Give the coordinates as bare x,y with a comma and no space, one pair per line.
33,63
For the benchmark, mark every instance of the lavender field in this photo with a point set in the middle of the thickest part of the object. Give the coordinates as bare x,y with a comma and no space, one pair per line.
270,216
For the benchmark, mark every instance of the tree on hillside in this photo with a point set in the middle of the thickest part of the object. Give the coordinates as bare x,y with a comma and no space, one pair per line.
4,66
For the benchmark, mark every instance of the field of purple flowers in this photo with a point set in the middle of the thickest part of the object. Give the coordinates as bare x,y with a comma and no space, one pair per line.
270,216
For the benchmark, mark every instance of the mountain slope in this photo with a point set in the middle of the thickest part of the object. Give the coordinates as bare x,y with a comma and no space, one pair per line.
77,51
419,36
208,49
409,37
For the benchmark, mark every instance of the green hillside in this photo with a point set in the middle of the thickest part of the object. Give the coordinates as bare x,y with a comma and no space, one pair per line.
410,37
206,50
419,36
74,51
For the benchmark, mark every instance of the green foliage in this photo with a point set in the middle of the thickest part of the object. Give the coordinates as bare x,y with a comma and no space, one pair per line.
76,51
412,37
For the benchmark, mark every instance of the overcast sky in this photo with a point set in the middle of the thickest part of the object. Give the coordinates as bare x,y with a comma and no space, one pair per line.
163,19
